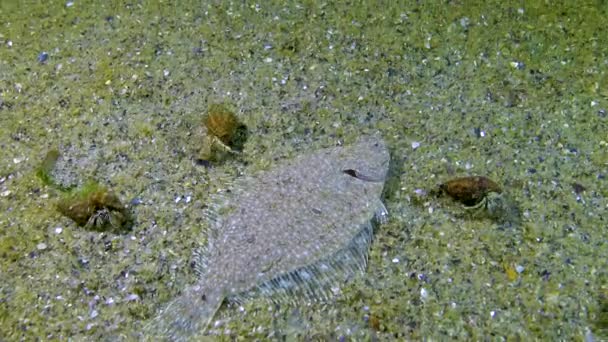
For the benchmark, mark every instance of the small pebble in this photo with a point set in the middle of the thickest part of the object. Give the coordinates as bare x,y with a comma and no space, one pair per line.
136,201
132,297
43,57
518,65
41,246
423,294
5,193
519,268
420,192
395,260
464,22
58,230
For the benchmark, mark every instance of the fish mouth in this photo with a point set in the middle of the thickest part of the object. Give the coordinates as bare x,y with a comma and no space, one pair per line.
363,177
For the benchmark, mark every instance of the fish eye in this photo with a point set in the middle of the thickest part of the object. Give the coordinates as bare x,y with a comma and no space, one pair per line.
351,172
362,176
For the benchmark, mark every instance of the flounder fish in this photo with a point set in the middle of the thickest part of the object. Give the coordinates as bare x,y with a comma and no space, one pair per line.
288,233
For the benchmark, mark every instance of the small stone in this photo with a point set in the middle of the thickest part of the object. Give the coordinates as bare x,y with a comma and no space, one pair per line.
424,294
41,246
43,57
136,201
518,65
58,230
464,22
5,193
420,192
132,297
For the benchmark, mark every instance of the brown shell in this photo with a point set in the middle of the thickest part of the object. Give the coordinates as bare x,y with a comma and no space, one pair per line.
221,123
469,190
81,207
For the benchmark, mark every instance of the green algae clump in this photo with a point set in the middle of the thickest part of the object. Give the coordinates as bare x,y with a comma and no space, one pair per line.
44,170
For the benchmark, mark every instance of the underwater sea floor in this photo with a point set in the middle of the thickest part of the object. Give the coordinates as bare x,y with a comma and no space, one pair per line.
516,93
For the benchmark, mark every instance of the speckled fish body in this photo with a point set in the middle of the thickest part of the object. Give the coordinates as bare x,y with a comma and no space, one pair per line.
288,232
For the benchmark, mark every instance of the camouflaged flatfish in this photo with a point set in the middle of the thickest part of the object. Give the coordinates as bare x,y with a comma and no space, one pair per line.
287,233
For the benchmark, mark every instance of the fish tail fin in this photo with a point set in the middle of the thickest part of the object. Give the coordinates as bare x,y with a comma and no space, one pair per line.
187,315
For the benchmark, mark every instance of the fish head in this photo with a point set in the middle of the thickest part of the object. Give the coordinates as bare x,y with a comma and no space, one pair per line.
367,159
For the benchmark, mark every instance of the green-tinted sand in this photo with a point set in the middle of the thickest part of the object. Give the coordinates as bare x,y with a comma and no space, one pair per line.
516,93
